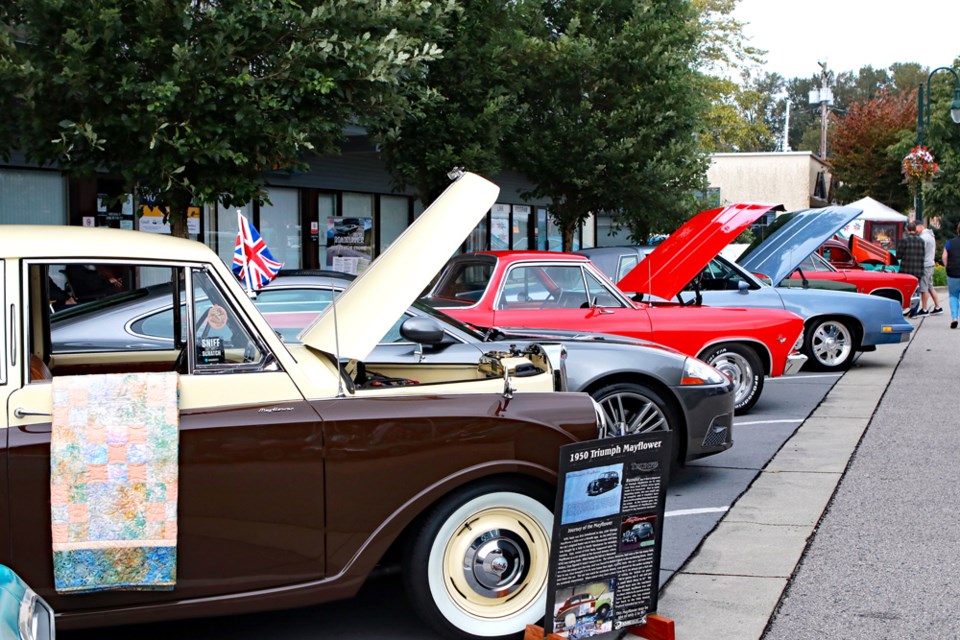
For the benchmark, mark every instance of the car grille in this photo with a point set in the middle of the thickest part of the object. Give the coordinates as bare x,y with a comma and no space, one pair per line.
718,434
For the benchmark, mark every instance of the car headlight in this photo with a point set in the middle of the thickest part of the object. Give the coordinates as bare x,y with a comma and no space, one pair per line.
35,621
697,372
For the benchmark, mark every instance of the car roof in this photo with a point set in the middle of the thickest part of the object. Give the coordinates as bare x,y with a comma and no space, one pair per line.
529,255
45,241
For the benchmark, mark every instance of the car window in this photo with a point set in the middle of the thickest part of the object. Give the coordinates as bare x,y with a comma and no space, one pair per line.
465,281
544,286
290,310
819,264
626,265
600,293
812,263
716,276
220,338
102,307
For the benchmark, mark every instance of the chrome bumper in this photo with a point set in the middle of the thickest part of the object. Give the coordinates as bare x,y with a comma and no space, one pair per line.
795,362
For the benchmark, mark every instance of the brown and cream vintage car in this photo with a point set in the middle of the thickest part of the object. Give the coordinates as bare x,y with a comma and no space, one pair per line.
295,469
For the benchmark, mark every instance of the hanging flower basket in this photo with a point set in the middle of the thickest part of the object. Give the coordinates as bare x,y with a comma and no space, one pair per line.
919,166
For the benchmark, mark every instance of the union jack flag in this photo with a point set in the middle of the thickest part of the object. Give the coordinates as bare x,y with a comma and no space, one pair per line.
252,262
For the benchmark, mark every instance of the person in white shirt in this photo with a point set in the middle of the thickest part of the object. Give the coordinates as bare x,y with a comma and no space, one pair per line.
926,282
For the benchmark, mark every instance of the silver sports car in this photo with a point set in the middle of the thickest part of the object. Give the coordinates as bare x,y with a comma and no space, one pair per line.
641,386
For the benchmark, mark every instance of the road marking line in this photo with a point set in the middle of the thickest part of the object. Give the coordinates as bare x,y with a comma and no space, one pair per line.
694,512
740,424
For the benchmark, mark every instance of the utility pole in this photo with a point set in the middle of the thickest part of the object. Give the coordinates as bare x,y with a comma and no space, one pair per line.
786,127
824,97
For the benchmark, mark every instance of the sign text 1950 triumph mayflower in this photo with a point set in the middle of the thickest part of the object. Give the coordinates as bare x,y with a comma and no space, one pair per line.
287,478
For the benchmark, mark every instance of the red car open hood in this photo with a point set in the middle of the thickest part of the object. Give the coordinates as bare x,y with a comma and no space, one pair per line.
679,258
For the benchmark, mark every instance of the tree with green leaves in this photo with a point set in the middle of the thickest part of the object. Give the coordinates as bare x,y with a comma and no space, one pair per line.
190,101
471,104
864,156
610,112
941,199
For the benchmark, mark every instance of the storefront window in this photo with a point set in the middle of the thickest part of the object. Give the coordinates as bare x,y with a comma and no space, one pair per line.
541,233
393,219
500,227
225,236
350,237
608,235
280,226
555,237
521,226
477,240
32,197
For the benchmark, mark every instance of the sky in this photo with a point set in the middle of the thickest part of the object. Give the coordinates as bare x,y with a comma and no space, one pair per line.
850,34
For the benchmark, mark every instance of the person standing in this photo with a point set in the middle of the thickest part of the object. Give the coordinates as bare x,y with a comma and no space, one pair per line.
910,252
926,283
951,260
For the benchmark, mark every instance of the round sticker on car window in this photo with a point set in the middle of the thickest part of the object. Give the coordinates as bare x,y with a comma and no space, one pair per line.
217,317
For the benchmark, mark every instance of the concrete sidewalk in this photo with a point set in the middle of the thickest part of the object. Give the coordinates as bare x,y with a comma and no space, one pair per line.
853,523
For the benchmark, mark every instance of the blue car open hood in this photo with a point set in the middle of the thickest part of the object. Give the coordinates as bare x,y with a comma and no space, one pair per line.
791,238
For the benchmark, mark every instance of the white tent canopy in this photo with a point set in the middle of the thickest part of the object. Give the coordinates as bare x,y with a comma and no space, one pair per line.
873,210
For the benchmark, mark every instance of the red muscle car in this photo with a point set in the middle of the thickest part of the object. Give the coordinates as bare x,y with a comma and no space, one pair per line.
833,261
565,291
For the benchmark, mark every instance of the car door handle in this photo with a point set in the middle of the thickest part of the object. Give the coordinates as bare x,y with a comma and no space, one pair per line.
19,413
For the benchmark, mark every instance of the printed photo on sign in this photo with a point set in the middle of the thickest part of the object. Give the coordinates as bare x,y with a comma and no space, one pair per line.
592,493
584,610
637,532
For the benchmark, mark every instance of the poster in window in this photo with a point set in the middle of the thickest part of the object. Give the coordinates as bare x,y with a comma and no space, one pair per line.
151,219
349,244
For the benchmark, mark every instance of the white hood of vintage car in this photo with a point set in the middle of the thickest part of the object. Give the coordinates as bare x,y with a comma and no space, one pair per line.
367,309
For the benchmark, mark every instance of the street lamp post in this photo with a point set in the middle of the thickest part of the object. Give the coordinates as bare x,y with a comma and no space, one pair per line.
921,106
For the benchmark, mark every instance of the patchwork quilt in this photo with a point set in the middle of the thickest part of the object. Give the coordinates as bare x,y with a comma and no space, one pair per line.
113,481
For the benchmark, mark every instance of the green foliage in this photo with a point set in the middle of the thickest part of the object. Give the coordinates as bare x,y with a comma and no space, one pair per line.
471,105
942,138
609,112
939,276
194,100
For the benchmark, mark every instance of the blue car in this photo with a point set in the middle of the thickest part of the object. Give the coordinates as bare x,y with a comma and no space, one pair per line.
837,324
23,614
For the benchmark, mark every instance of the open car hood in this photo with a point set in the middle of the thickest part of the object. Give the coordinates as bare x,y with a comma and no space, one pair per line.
791,238
678,259
366,310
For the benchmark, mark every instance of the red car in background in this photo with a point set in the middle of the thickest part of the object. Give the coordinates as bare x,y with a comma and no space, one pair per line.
538,289
835,262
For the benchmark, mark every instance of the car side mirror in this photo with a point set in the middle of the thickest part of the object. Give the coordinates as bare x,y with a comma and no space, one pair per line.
743,286
422,331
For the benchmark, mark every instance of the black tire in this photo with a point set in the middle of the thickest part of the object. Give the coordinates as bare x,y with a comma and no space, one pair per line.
646,412
481,604
830,344
603,611
741,364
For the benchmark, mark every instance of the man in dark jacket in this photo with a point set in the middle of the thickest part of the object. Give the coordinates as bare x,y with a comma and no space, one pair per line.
910,252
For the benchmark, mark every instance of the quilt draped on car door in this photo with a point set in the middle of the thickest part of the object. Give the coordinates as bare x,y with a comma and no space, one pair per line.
113,481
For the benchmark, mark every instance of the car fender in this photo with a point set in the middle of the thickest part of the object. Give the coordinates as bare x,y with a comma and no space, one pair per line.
763,352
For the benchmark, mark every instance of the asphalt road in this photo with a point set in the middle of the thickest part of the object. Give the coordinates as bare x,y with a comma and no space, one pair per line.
697,497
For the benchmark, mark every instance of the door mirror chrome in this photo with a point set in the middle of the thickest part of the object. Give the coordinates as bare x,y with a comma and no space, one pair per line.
743,286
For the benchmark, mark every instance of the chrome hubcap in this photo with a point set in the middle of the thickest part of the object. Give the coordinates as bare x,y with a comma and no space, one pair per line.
495,563
738,369
831,344
628,412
